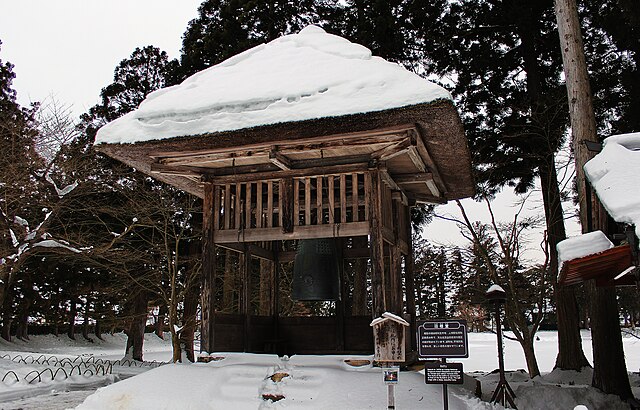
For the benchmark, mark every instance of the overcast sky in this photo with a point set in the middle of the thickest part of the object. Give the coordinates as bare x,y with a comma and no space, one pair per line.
69,49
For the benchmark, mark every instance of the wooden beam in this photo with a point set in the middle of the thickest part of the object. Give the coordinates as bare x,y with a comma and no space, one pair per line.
424,153
388,134
299,232
416,178
425,199
280,160
255,250
416,159
306,172
392,151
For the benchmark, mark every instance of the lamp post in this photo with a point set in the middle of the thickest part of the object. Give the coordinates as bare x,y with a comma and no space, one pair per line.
503,394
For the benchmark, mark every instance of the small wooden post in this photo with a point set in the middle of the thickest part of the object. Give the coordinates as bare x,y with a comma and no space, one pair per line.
208,270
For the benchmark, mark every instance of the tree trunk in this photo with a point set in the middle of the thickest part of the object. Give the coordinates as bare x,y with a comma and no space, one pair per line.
608,353
135,339
570,354
610,371
73,311
189,321
85,324
98,329
7,308
359,307
23,320
159,327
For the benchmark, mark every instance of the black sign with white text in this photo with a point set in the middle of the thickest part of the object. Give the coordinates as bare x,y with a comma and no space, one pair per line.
442,338
443,373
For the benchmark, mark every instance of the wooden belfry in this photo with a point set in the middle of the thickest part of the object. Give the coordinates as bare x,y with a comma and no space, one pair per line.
339,176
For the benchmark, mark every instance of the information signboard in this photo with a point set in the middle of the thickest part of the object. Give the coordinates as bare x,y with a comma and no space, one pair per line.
442,338
443,373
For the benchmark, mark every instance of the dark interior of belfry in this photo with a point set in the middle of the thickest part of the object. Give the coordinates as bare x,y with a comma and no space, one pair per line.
300,296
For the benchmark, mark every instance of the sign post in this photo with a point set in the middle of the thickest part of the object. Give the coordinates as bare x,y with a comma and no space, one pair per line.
443,339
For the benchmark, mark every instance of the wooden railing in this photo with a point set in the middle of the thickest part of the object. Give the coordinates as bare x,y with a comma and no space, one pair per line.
336,205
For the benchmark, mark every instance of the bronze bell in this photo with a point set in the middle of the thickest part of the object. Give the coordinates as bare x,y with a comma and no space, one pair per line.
316,270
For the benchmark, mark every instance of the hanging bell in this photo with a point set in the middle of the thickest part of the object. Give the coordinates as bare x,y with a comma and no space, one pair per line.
316,270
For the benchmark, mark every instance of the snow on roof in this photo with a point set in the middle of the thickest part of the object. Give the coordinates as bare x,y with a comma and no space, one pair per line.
614,173
296,77
495,288
581,246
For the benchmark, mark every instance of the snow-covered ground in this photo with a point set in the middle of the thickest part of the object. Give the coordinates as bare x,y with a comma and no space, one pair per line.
243,381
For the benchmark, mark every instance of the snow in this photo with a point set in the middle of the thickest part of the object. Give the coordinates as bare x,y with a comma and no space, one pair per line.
239,380
396,318
64,191
296,77
495,288
614,175
582,245
50,243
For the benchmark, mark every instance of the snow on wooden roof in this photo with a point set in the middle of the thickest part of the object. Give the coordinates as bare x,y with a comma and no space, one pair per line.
614,175
296,77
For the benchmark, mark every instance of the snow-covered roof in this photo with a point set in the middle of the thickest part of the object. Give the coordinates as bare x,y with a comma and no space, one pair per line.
615,175
581,246
296,77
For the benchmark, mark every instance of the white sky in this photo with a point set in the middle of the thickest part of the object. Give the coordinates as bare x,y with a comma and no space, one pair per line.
69,49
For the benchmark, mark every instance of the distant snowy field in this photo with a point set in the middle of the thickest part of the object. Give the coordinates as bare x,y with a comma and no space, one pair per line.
240,380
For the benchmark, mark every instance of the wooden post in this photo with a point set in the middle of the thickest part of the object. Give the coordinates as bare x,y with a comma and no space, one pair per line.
275,291
245,273
286,202
208,271
409,277
377,246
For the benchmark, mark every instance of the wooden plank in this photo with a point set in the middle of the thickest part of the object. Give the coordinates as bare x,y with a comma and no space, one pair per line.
280,203
269,204
245,274
259,210
416,159
238,210
227,206
319,208
255,250
300,232
332,199
208,272
294,173
424,153
392,151
388,134
367,195
174,170
415,178
216,207
280,160
296,202
426,199
307,201
354,197
343,198
389,181
285,206
247,205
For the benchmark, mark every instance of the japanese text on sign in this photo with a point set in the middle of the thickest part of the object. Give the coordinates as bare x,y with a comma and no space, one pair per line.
442,338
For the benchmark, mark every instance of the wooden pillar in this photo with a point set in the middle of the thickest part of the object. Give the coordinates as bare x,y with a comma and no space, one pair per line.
395,265
275,291
208,271
266,285
377,244
245,274
409,278
286,203
340,303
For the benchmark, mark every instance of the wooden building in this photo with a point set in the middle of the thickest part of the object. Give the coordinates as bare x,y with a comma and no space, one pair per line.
345,176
